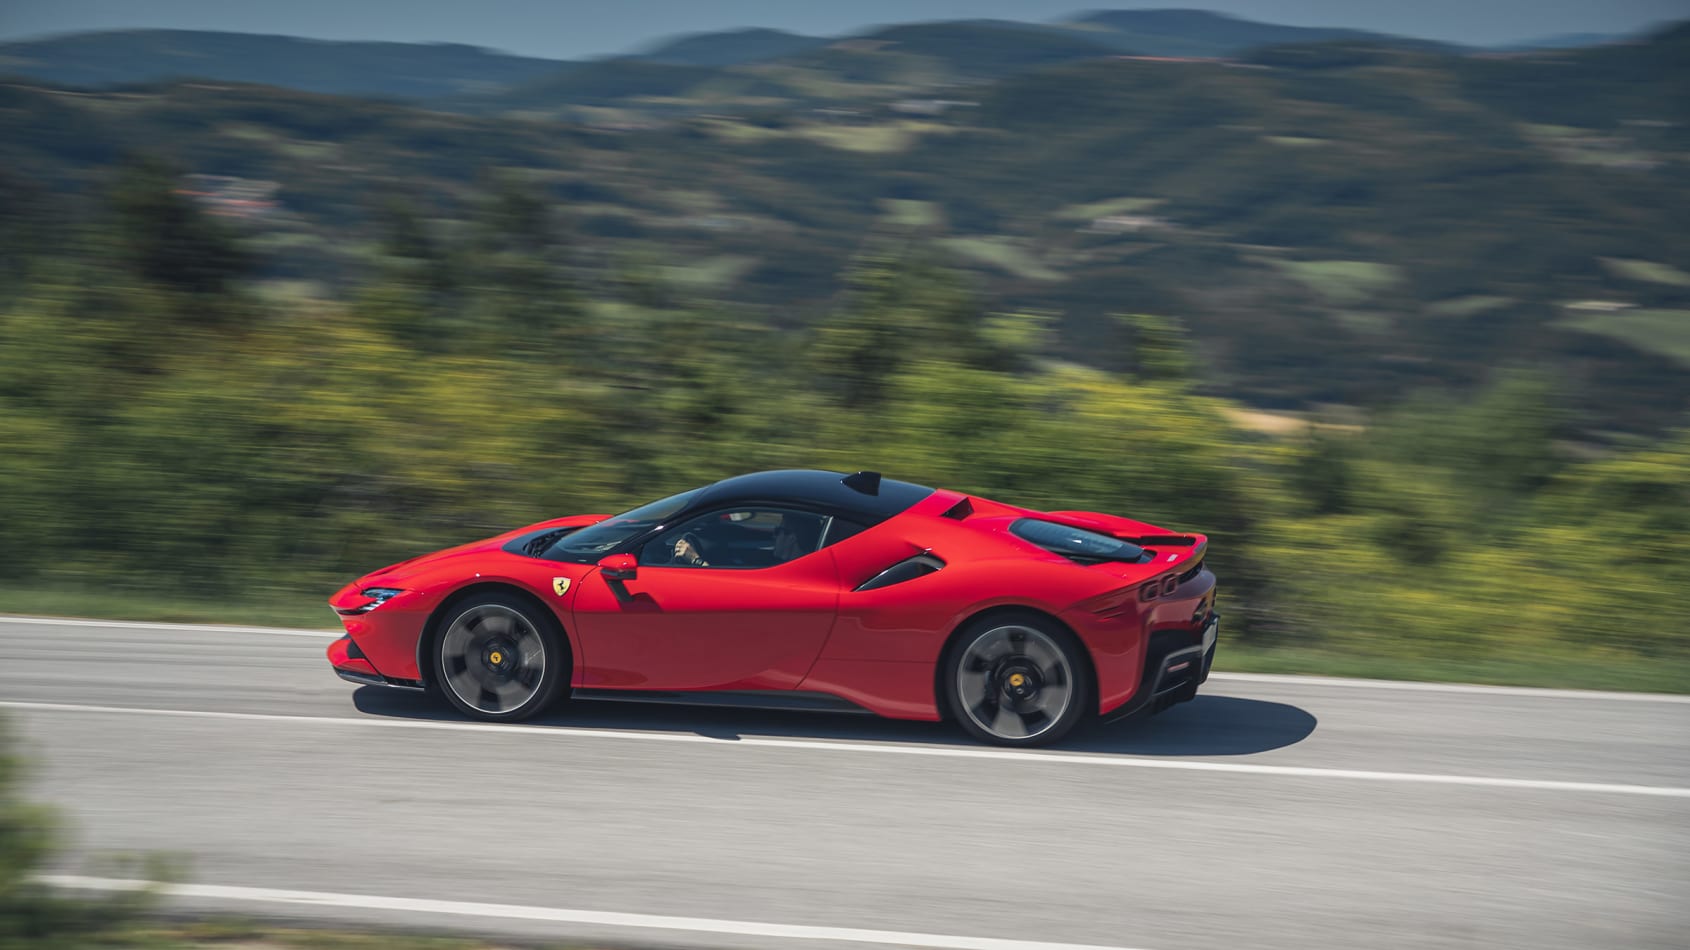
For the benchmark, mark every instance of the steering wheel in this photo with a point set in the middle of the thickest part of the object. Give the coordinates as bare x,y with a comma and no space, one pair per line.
697,545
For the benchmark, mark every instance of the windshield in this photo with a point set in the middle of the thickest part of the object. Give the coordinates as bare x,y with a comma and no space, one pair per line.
594,542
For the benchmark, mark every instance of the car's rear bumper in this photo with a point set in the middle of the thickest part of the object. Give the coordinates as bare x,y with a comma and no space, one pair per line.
1176,662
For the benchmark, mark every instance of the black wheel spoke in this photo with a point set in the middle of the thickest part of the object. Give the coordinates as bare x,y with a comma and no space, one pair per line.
1009,723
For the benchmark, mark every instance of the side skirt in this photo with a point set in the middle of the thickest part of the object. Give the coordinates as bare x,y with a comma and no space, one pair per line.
785,700
365,679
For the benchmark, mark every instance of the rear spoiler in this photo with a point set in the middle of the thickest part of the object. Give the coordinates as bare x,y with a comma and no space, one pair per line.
1140,533
1161,540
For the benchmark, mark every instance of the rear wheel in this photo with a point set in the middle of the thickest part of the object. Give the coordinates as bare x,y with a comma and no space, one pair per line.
1017,680
499,658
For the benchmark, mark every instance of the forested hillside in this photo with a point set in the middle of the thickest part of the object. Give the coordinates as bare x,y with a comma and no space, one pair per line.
169,430
1329,223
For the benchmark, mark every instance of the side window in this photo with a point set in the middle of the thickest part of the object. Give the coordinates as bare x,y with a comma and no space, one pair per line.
743,538
838,529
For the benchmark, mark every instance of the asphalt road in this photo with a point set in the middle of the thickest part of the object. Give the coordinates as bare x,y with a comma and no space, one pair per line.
1270,813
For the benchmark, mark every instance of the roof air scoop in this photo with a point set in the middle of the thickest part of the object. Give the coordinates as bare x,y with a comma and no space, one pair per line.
868,483
959,511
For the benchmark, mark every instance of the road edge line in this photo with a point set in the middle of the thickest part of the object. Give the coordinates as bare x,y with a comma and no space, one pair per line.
412,905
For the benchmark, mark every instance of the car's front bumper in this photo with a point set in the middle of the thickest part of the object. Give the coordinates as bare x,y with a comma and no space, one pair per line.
352,665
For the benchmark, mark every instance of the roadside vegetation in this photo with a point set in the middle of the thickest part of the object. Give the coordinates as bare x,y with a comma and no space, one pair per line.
34,916
175,444
31,915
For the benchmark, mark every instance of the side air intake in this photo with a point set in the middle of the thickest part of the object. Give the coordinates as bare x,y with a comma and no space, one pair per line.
906,570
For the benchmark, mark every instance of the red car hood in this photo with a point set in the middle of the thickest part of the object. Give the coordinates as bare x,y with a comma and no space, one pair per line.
395,575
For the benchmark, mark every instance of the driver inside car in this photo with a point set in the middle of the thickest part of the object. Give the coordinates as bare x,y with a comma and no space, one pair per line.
687,553
688,548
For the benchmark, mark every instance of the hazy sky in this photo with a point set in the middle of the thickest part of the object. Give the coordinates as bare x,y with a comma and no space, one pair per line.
574,28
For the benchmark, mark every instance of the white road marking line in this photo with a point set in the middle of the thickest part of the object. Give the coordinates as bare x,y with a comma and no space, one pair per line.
886,748
324,634
411,905
1269,678
1524,692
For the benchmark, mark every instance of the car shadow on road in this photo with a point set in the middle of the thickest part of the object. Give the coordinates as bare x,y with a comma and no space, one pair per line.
1206,726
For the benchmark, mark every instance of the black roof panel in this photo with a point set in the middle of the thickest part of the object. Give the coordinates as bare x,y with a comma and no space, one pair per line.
813,488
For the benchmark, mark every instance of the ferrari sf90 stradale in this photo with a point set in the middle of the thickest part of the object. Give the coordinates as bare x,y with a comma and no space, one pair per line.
802,589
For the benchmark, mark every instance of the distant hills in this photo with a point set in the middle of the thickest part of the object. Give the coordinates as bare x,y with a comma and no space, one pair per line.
441,72
986,48
1333,221
1566,41
386,70
730,47
1207,34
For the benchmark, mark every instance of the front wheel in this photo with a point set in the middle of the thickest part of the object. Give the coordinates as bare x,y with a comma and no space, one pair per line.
1017,681
499,658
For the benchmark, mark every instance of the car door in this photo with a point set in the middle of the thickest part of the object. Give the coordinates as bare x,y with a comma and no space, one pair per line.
748,617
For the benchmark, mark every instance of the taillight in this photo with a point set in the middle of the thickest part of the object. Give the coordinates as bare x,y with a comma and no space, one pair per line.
1160,587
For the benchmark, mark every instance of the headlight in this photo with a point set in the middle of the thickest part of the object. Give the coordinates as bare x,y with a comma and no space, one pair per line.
377,595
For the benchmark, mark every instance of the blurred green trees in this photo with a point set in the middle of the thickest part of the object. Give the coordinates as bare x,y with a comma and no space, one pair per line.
32,915
159,236
163,427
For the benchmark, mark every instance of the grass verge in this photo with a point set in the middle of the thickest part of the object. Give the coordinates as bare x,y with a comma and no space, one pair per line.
1621,673
255,608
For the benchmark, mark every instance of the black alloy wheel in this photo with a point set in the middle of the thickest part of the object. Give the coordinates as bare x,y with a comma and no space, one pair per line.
1017,680
500,658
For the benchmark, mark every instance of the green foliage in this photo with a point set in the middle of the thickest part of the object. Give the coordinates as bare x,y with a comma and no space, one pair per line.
1666,332
1494,449
898,308
26,837
1343,282
1323,475
30,914
1648,271
1156,346
165,240
486,377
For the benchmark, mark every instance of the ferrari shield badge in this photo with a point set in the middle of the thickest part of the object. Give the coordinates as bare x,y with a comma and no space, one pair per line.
560,585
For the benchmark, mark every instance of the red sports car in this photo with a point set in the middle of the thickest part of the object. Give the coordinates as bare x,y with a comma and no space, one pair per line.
802,589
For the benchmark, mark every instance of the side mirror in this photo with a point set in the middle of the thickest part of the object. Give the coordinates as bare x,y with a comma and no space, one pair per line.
619,567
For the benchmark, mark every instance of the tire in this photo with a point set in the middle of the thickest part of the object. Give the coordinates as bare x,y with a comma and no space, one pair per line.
500,658
1017,680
